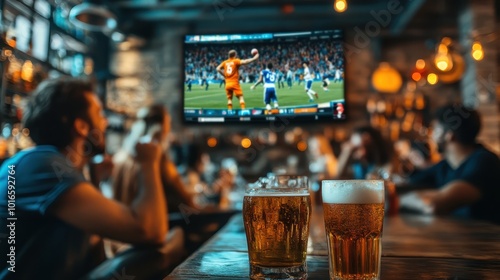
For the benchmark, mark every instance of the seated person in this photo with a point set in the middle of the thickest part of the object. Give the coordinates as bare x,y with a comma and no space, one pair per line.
152,124
466,180
61,217
420,156
366,155
413,156
197,183
322,160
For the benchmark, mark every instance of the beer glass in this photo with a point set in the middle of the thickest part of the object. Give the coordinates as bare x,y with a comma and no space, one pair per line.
354,215
276,215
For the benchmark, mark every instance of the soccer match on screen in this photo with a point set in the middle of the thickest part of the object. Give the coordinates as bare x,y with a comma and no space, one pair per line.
254,77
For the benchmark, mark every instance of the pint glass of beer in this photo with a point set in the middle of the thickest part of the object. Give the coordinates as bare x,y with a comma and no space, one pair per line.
354,215
276,215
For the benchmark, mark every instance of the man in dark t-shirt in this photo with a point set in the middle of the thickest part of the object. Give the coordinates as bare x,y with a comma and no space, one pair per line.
34,228
51,218
467,181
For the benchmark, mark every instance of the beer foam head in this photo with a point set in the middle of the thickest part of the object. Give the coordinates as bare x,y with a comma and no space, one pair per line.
353,191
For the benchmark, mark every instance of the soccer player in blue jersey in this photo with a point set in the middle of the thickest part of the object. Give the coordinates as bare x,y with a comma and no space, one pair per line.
268,77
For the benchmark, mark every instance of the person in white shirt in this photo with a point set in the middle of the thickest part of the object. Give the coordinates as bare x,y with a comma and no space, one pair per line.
308,78
289,78
338,76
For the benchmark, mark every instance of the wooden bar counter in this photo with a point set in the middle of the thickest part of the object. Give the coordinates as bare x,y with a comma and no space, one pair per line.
413,247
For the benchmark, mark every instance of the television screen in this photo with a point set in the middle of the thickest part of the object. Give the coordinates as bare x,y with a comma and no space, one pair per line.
260,77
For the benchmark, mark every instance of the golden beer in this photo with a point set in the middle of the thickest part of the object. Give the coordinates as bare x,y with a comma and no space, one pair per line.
354,215
354,234
277,228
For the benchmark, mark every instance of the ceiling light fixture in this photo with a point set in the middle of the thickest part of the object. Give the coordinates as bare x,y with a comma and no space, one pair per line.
91,16
340,6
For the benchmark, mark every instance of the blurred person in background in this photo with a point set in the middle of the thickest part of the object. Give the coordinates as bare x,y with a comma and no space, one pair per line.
414,155
465,182
420,155
366,153
208,192
152,124
184,208
59,212
322,160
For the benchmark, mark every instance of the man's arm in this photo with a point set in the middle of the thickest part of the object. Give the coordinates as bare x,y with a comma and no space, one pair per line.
258,82
220,69
249,60
451,197
175,179
421,179
344,159
145,221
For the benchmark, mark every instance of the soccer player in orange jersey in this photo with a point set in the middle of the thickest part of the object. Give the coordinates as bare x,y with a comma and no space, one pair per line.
229,69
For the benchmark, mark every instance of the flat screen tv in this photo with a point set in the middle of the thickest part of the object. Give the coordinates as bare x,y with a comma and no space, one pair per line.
302,77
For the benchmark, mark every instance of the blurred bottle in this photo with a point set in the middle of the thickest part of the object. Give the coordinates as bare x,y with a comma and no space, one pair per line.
392,199
391,196
10,36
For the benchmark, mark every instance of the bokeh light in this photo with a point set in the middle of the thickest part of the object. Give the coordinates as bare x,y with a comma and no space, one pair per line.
246,143
212,142
432,78
420,64
340,6
302,146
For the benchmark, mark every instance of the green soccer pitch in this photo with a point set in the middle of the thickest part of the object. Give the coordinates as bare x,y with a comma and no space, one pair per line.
215,97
